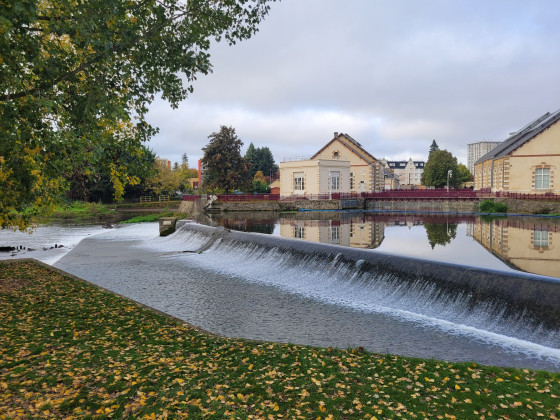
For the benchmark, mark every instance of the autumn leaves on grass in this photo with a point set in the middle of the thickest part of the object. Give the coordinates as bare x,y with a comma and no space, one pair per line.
72,350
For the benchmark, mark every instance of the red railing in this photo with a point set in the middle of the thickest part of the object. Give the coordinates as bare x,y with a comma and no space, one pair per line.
434,194
522,196
190,197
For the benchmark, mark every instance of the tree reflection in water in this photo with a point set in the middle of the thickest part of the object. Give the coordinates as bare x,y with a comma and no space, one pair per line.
440,234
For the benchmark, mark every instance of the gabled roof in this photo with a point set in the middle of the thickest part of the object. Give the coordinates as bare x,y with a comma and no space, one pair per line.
388,173
351,144
401,164
522,136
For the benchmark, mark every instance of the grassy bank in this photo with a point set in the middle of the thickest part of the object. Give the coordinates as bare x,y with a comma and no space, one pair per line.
93,212
80,211
70,349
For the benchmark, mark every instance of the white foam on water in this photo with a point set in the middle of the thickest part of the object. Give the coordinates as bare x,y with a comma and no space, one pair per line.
334,283
40,242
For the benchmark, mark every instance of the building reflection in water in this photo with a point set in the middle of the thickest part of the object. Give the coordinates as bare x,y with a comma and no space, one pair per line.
523,243
527,244
357,232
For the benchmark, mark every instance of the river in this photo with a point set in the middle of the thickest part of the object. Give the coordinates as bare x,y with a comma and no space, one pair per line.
258,294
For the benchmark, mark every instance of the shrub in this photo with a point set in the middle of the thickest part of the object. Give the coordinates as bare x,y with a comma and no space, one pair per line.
489,206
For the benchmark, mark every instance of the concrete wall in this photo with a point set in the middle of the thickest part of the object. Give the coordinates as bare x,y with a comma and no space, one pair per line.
278,205
514,206
531,206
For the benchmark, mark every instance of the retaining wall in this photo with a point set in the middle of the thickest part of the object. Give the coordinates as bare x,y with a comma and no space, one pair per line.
531,206
424,206
454,206
277,205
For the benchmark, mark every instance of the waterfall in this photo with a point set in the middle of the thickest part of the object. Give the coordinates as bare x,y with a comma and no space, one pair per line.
450,296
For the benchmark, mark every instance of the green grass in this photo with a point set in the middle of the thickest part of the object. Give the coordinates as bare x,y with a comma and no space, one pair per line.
80,210
154,217
147,218
73,350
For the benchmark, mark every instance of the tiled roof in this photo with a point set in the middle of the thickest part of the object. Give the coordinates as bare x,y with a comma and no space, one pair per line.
522,136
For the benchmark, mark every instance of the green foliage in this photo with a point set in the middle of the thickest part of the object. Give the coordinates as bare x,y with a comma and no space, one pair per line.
98,185
148,218
440,234
224,167
260,159
433,147
72,350
259,183
490,206
439,163
79,210
76,80
463,174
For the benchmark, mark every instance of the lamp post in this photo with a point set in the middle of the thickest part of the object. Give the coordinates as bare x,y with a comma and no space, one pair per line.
449,174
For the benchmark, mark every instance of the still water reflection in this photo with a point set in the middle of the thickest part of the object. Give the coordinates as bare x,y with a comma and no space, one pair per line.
509,244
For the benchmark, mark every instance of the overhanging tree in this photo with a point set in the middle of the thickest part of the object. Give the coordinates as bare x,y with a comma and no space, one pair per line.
76,77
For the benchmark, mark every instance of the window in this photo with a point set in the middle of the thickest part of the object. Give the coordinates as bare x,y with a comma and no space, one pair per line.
334,234
299,232
540,238
299,182
351,180
542,178
335,181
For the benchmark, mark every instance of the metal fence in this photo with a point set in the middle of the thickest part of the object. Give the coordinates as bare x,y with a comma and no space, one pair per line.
523,196
431,194
247,197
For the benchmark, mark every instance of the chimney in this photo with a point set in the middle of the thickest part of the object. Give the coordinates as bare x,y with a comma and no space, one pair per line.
336,134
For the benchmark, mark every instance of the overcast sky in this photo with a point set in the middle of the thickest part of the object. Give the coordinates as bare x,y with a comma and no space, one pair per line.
393,74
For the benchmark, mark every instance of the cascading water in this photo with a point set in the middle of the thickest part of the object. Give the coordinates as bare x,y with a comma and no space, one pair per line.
263,287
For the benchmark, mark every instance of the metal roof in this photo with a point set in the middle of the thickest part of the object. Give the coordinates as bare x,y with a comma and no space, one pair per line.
522,136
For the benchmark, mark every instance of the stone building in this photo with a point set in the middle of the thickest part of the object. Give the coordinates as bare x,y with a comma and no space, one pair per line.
408,172
341,166
526,162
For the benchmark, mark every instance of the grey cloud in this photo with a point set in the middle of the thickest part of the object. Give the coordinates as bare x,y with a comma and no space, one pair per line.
394,75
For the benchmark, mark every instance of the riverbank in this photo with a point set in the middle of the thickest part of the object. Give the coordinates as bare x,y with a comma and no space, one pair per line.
71,349
81,212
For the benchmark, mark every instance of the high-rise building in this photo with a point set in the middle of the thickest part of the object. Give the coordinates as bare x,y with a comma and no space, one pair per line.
477,150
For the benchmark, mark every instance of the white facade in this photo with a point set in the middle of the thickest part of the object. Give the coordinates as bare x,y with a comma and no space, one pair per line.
314,177
408,172
477,150
341,166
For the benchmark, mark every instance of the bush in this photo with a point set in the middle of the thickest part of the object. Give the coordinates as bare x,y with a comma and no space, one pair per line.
489,206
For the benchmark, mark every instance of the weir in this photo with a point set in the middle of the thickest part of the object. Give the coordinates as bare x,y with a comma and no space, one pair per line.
496,301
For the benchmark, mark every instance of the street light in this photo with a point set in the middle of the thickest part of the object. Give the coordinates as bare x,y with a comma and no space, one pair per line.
449,174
